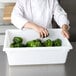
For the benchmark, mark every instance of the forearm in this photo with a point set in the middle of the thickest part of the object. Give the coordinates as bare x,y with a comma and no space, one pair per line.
60,15
29,25
41,30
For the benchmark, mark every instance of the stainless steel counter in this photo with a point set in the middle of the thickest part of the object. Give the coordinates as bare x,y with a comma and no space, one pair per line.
68,69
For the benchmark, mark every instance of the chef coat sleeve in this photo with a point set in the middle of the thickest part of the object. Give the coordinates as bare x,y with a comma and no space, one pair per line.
60,16
17,15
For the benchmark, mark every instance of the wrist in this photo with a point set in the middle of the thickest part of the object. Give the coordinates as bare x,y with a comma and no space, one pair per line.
65,27
28,25
31,25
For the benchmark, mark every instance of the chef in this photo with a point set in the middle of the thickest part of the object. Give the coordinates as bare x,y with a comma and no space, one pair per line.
37,15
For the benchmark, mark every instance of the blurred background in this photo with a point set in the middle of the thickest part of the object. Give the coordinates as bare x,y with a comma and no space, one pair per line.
69,6
6,7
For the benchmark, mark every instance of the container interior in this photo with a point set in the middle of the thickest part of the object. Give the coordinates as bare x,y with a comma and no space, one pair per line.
29,34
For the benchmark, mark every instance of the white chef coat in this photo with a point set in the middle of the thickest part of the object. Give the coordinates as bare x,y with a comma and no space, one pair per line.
38,11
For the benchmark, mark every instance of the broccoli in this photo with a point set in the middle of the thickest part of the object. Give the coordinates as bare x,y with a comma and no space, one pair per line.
57,42
17,40
47,43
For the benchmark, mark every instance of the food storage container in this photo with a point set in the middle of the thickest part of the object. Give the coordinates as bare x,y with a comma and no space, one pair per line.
36,55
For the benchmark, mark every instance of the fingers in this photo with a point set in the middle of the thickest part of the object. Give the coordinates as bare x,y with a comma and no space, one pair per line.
47,33
66,34
43,32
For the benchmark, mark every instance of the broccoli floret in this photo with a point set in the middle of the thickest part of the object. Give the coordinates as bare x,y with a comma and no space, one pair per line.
47,43
17,40
57,42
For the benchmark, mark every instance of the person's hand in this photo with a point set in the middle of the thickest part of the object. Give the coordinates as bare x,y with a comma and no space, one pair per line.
41,30
65,31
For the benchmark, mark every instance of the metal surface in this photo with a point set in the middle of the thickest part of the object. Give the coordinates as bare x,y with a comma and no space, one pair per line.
68,69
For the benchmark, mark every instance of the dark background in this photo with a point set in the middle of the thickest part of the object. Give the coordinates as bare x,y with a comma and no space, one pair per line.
70,7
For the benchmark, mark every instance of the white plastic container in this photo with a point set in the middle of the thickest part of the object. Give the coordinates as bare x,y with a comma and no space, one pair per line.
37,55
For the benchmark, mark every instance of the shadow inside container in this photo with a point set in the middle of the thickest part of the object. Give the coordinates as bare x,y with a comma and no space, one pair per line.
4,67
38,70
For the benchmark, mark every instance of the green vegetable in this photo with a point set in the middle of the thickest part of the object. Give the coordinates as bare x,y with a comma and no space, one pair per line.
18,45
47,43
23,45
33,43
17,40
57,42
12,45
